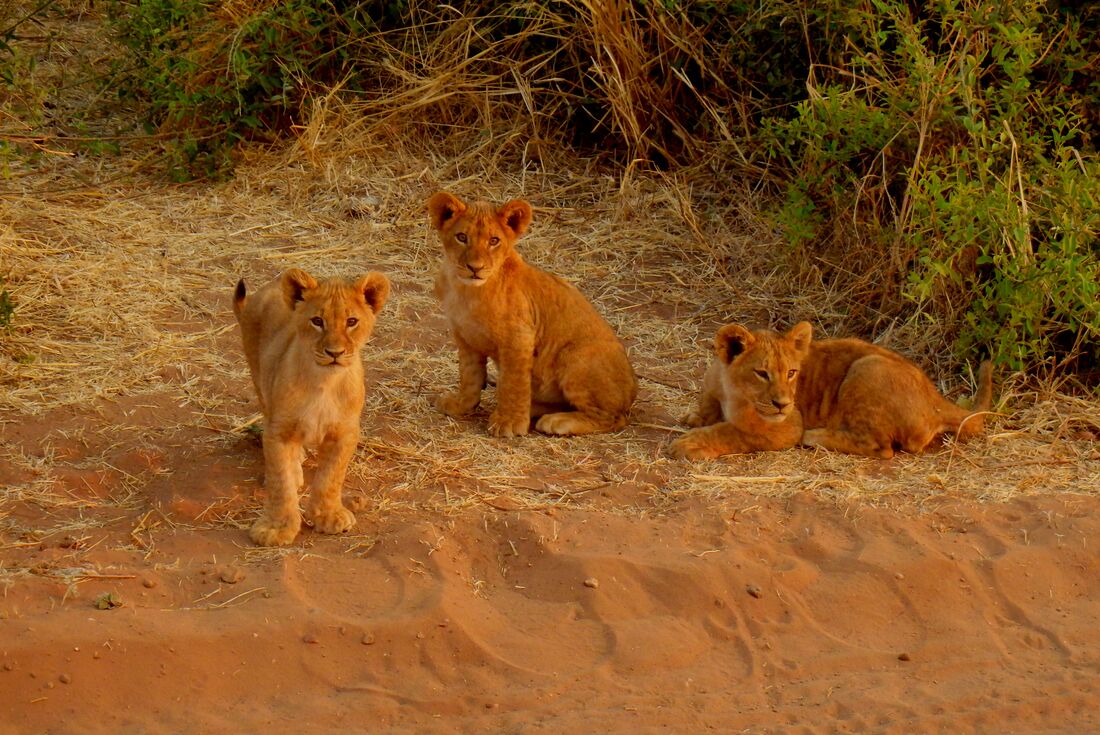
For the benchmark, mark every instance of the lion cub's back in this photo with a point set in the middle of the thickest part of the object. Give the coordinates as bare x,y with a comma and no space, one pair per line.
265,322
831,362
564,309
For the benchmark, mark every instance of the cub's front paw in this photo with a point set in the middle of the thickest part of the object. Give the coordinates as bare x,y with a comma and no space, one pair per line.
693,445
506,425
335,519
271,531
453,404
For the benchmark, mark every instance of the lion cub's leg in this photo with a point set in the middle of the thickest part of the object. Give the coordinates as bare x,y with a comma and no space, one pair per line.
512,416
471,381
708,409
722,438
280,520
325,510
597,381
865,418
852,442
707,412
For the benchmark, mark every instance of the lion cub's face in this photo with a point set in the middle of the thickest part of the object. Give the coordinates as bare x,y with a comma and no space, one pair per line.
333,318
762,367
477,238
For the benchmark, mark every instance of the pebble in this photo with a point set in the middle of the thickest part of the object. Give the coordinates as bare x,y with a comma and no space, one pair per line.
904,657
755,591
9,666
310,638
368,639
65,679
148,583
230,575
592,582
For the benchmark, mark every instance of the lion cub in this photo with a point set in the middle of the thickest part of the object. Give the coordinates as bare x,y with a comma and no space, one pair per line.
557,358
302,339
766,391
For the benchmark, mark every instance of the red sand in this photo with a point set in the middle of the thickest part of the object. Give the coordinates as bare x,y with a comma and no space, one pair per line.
786,616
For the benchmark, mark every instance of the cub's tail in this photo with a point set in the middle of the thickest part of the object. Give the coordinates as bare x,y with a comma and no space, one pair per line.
238,299
974,423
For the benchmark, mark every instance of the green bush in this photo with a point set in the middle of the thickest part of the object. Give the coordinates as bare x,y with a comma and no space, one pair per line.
954,148
214,74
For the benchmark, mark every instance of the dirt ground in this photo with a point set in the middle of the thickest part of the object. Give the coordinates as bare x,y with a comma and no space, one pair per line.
522,586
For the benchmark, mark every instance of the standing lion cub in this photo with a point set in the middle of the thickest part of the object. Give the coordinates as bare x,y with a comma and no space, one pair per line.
767,391
557,358
302,339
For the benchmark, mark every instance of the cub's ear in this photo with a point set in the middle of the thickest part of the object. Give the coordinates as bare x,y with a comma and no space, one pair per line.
443,207
801,335
375,288
295,283
731,341
515,215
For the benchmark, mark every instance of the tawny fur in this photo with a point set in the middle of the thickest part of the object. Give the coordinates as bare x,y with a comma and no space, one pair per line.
766,391
302,340
557,359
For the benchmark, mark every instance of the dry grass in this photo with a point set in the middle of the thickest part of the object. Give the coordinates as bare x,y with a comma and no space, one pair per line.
121,287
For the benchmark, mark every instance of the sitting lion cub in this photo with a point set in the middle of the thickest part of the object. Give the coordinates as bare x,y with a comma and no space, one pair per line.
302,339
557,358
767,391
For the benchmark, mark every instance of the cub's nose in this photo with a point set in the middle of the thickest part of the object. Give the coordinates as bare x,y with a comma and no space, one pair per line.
334,353
474,268
781,403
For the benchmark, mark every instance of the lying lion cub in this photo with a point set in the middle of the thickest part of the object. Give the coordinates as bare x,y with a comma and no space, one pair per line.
302,339
767,391
557,358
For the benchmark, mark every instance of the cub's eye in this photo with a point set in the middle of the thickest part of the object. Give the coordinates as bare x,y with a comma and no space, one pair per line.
494,241
762,374
352,321
791,374
461,237
317,321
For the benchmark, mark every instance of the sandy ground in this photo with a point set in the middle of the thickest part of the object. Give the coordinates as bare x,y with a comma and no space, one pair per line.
524,586
782,616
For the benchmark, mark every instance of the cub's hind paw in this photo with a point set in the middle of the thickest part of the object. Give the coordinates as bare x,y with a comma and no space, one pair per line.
268,531
569,423
692,419
452,404
331,520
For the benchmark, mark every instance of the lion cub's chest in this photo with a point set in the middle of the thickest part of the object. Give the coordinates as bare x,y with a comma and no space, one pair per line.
484,327
320,406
